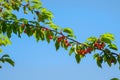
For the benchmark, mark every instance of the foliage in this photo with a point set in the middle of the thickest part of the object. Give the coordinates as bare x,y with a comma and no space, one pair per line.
43,29
115,79
4,41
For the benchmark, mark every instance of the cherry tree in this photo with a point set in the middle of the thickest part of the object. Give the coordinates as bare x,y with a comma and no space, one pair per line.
43,29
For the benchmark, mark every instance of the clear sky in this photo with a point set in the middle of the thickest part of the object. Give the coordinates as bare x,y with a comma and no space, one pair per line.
40,61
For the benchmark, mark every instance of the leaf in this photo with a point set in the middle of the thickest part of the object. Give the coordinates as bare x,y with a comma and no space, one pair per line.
68,30
25,21
5,55
95,55
47,36
0,50
0,67
99,63
108,62
53,26
114,79
113,46
77,57
57,45
107,38
92,39
42,35
11,62
71,51
9,31
118,59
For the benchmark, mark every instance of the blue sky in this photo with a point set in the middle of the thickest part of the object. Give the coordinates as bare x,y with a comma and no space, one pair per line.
40,61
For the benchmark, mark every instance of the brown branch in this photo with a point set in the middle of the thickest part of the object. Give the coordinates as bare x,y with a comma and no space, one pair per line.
60,33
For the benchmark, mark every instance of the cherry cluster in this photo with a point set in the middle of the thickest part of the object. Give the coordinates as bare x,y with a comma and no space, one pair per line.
64,39
59,39
99,45
85,51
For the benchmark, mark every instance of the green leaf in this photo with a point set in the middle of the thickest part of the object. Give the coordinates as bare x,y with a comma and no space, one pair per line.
71,51
92,39
107,38
95,55
25,21
53,26
42,36
68,30
118,59
37,35
9,31
0,67
108,62
99,63
77,57
5,55
114,79
57,45
11,62
113,46
47,36
0,50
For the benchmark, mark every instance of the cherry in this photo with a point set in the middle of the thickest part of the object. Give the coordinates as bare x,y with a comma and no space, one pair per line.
23,25
50,37
0,10
43,29
46,29
65,41
25,31
68,44
78,51
89,50
102,44
59,39
96,44
62,37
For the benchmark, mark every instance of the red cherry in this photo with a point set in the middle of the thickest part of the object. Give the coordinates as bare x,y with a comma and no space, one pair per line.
95,44
25,31
50,37
67,44
89,50
112,60
46,29
78,51
62,37
82,52
66,41
99,47
43,29
102,44
59,39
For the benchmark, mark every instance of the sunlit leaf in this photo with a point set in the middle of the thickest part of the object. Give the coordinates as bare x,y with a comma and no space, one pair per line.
113,46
